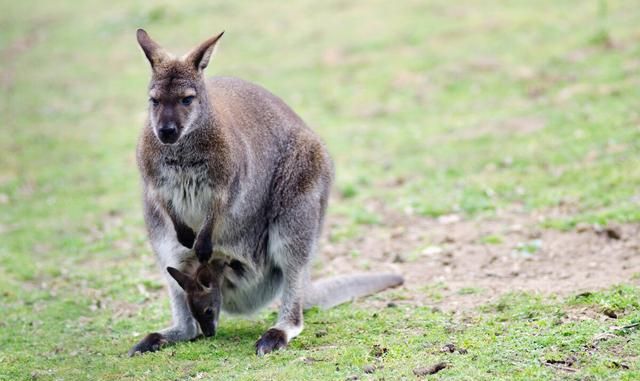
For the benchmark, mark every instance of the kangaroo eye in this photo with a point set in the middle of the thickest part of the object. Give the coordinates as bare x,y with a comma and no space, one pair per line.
208,311
187,100
154,101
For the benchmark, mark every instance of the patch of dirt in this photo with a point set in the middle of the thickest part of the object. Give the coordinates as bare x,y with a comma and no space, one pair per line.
471,262
421,372
564,365
582,313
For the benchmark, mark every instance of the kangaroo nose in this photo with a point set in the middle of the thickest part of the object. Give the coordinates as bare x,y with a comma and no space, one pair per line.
167,129
209,333
168,133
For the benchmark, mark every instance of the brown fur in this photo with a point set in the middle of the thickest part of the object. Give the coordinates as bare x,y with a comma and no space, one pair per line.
204,295
231,173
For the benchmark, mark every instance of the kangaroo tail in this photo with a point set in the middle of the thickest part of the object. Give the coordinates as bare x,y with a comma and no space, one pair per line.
329,292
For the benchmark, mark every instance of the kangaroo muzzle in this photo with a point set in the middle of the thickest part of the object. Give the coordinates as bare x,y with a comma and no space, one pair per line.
208,330
168,134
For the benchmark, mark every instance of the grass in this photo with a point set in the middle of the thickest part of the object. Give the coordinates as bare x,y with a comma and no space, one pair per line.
431,107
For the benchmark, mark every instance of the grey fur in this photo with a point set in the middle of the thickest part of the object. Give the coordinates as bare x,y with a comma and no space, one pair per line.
250,181
330,292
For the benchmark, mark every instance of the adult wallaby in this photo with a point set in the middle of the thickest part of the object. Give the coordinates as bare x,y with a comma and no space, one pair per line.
230,171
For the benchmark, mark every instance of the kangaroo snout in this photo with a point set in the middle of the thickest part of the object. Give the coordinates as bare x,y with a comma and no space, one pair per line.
208,330
168,133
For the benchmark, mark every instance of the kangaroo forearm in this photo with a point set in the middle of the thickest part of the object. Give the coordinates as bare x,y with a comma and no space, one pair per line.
186,236
203,245
155,213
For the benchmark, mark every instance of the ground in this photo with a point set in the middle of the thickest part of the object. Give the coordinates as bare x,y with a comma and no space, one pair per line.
473,261
488,152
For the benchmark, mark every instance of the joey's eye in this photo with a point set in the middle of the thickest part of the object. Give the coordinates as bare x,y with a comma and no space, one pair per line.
208,311
154,101
187,100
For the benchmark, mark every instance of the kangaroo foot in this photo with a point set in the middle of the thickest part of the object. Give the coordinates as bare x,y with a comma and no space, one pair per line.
270,341
151,343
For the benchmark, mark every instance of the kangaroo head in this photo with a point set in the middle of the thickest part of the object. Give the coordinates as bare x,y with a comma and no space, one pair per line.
177,94
204,294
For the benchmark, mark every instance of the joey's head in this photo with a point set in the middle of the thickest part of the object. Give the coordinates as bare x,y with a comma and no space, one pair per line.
177,94
204,295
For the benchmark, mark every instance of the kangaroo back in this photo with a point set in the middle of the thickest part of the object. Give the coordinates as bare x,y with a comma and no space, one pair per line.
330,292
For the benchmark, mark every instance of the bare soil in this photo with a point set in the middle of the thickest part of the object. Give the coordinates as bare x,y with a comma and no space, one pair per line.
457,263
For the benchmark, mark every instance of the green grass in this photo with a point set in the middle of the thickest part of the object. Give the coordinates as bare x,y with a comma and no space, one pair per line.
431,107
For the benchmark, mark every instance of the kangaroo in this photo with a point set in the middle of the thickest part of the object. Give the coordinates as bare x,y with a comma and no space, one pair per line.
229,172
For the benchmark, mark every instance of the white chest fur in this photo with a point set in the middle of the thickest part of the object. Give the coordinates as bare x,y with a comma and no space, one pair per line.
188,190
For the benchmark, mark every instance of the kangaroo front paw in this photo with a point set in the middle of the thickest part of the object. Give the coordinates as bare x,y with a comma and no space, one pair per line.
203,248
185,235
151,343
270,341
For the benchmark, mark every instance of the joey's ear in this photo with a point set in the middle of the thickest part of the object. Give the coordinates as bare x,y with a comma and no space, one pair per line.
204,276
183,279
155,54
199,57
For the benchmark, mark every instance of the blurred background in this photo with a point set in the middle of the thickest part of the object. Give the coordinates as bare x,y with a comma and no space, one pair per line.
434,111
429,107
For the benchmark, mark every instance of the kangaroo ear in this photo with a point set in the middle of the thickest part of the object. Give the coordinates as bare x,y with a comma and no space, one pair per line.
199,57
155,54
183,279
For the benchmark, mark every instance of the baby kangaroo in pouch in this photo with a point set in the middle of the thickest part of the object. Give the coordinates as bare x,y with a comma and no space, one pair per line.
204,294
235,189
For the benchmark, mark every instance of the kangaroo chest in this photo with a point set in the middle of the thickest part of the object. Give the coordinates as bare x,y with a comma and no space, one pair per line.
187,187
240,233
